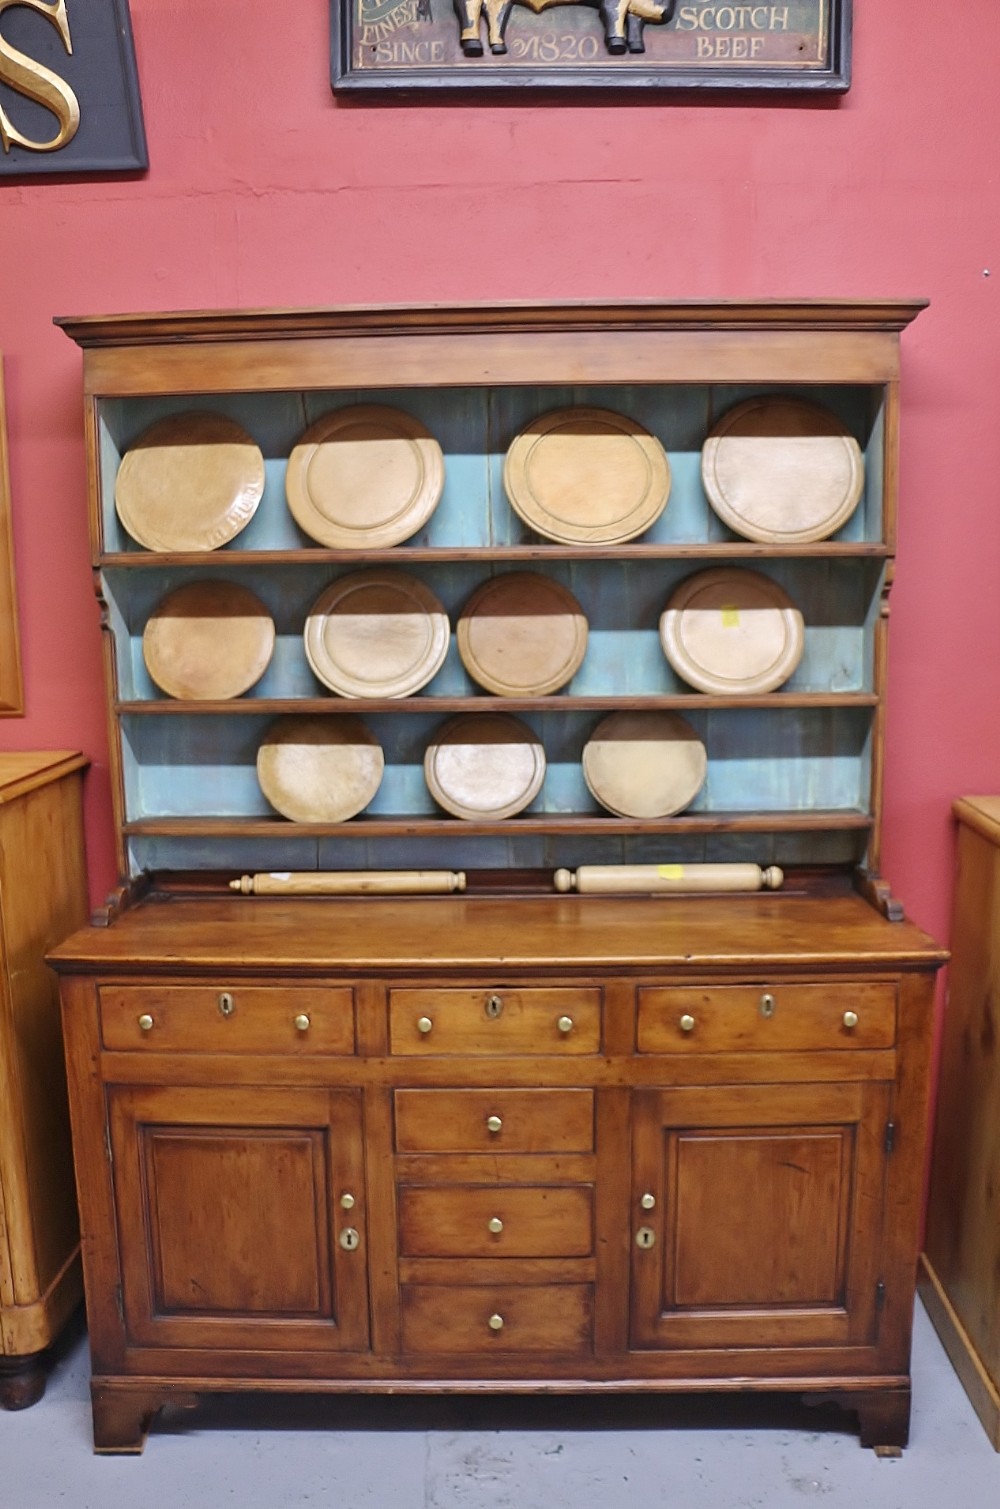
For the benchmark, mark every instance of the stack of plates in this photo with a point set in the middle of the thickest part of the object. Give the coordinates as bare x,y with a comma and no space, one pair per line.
209,640
731,631
376,634
522,635
644,764
484,766
190,482
782,471
587,476
319,770
364,478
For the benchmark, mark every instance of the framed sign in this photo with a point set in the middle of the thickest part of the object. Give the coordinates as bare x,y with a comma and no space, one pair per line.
11,689
69,91
611,44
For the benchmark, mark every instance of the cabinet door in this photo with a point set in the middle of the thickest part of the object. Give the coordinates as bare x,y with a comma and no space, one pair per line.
757,1215
232,1230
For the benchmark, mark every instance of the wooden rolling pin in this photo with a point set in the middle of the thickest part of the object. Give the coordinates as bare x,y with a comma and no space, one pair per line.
350,883
631,879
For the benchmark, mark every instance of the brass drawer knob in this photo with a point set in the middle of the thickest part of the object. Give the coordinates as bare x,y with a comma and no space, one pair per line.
424,1024
850,1019
495,1322
495,1225
493,1123
565,1025
648,1202
686,1023
346,1201
302,1022
146,1022
226,1003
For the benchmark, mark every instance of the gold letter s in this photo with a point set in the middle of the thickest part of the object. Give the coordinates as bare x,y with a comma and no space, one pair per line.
39,83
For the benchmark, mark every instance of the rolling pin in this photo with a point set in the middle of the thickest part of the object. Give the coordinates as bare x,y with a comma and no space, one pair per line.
350,883
631,879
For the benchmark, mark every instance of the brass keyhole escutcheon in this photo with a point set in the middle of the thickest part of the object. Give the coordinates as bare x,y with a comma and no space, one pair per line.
226,1003
645,1237
494,1007
349,1239
767,1004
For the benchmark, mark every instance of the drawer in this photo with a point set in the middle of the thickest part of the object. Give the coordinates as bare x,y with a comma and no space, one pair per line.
498,1020
503,1221
228,1019
754,1018
495,1121
501,1318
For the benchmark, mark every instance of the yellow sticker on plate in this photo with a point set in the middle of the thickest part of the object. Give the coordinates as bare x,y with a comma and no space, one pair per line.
670,872
730,617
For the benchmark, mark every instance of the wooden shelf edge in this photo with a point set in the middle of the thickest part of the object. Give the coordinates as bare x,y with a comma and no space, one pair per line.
432,554
484,703
430,827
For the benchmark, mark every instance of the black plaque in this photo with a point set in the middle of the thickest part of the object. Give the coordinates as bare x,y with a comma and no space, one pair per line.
612,44
69,90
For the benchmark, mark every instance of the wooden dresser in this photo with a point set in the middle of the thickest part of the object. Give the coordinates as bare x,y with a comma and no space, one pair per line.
960,1282
43,894
508,1139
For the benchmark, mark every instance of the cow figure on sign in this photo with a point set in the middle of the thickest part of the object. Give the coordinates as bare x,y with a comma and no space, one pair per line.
623,21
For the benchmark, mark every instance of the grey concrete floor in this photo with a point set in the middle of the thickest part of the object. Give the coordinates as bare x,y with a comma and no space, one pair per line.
534,1453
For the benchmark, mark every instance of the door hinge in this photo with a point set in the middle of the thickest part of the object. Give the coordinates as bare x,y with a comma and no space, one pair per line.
120,1303
879,1295
107,1145
890,1136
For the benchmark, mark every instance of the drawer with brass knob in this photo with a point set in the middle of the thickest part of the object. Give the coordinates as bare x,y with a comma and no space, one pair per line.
550,1318
797,1015
228,1018
495,1020
510,1221
497,1121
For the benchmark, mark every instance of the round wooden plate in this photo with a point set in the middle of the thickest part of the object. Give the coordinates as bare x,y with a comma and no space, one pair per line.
319,770
587,476
522,635
376,634
782,471
732,631
364,477
644,764
484,765
190,482
208,640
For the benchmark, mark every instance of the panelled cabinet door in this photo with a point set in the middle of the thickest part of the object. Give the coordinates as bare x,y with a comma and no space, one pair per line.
757,1215
235,1230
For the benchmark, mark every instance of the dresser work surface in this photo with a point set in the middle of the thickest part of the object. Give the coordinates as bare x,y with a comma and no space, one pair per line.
477,1144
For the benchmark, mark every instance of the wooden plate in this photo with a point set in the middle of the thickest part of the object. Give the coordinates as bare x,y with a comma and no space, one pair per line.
644,764
364,477
522,635
587,476
190,482
782,471
319,770
208,640
376,634
732,631
484,765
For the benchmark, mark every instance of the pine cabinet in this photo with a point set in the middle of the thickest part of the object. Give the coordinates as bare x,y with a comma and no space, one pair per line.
508,1137
43,894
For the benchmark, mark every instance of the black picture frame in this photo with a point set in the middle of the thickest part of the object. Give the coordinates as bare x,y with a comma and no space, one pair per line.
100,71
406,45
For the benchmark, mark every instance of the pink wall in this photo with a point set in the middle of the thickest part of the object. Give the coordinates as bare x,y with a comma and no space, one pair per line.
263,190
